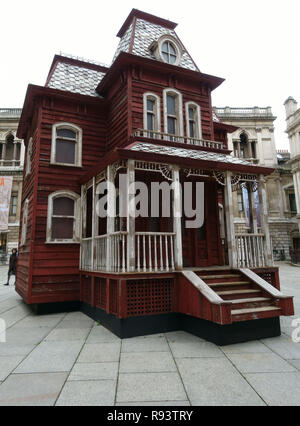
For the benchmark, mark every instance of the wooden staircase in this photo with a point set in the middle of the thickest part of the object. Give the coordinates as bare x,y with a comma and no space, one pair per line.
249,300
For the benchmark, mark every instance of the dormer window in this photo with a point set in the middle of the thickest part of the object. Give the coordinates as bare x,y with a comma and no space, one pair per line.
167,49
169,52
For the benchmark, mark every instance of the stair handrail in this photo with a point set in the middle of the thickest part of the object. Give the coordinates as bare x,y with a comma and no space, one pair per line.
204,289
263,284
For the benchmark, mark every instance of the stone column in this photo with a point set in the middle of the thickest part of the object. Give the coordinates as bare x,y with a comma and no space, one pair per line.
130,216
22,154
111,213
232,253
264,219
177,218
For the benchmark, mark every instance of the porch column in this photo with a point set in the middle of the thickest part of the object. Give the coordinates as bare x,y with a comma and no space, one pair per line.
264,219
130,216
111,213
94,216
253,213
177,218
232,253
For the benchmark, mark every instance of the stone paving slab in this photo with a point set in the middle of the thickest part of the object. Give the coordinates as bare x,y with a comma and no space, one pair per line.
94,371
152,344
133,387
82,363
214,381
100,352
95,393
100,334
51,357
278,389
8,364
284,346
195,349
154,403
143,362
32,336
260,363
31,389
247,347
67,334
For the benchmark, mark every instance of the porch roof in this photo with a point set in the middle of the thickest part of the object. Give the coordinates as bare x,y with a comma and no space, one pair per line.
191,157
186,157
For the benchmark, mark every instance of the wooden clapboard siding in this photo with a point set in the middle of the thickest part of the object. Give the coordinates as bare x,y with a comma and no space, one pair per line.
190,93
52,269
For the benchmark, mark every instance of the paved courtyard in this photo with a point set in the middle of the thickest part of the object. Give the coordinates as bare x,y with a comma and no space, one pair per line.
68,359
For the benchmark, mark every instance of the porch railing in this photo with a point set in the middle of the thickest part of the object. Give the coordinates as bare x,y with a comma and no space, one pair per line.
251,252
180,139
154,251
86,254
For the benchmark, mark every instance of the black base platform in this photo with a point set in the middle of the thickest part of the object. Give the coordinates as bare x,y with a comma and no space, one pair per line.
237,332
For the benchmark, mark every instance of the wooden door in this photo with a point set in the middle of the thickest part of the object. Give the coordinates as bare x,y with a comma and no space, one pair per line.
201,247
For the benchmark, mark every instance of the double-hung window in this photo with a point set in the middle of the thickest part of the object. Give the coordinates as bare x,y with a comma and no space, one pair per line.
151,114
66,145
193,121
63,217
173,116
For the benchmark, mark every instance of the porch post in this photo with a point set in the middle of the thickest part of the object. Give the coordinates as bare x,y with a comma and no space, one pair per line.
130,216
264,219
253,214
94,224
232,253
177,218
111,213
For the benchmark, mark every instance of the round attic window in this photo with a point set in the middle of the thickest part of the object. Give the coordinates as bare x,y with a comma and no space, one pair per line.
166,49
168,52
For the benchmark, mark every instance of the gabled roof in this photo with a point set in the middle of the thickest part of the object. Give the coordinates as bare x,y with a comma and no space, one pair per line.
139,32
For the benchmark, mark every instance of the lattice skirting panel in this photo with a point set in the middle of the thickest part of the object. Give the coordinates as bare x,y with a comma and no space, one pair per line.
129,297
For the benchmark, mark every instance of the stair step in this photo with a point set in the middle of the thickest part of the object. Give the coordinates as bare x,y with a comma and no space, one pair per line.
217,277
233,292
250,300
222,284
254,310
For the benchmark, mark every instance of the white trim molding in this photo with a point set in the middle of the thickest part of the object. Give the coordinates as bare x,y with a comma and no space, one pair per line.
157,119
78,147
77,213
24,223
28,157
178,110
198,129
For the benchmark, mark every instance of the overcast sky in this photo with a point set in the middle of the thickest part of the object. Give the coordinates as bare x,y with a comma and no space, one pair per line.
253,44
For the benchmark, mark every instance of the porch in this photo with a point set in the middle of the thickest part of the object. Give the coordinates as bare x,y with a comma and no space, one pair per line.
129,245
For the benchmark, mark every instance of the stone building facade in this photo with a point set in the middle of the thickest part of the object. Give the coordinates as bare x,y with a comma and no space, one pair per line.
254,140
293,131
11,164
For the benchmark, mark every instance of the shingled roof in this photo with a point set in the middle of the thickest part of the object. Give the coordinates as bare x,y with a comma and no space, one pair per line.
76,79
140,35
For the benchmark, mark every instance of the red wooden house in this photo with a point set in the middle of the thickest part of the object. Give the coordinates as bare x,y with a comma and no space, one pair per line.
149,117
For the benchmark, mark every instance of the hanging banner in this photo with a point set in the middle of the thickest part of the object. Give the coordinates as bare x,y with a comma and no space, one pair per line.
5,193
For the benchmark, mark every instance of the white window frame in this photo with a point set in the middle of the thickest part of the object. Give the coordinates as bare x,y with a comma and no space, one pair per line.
157,48
78,146
198,129
157,120
24,223
28,157
77,213
178,108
